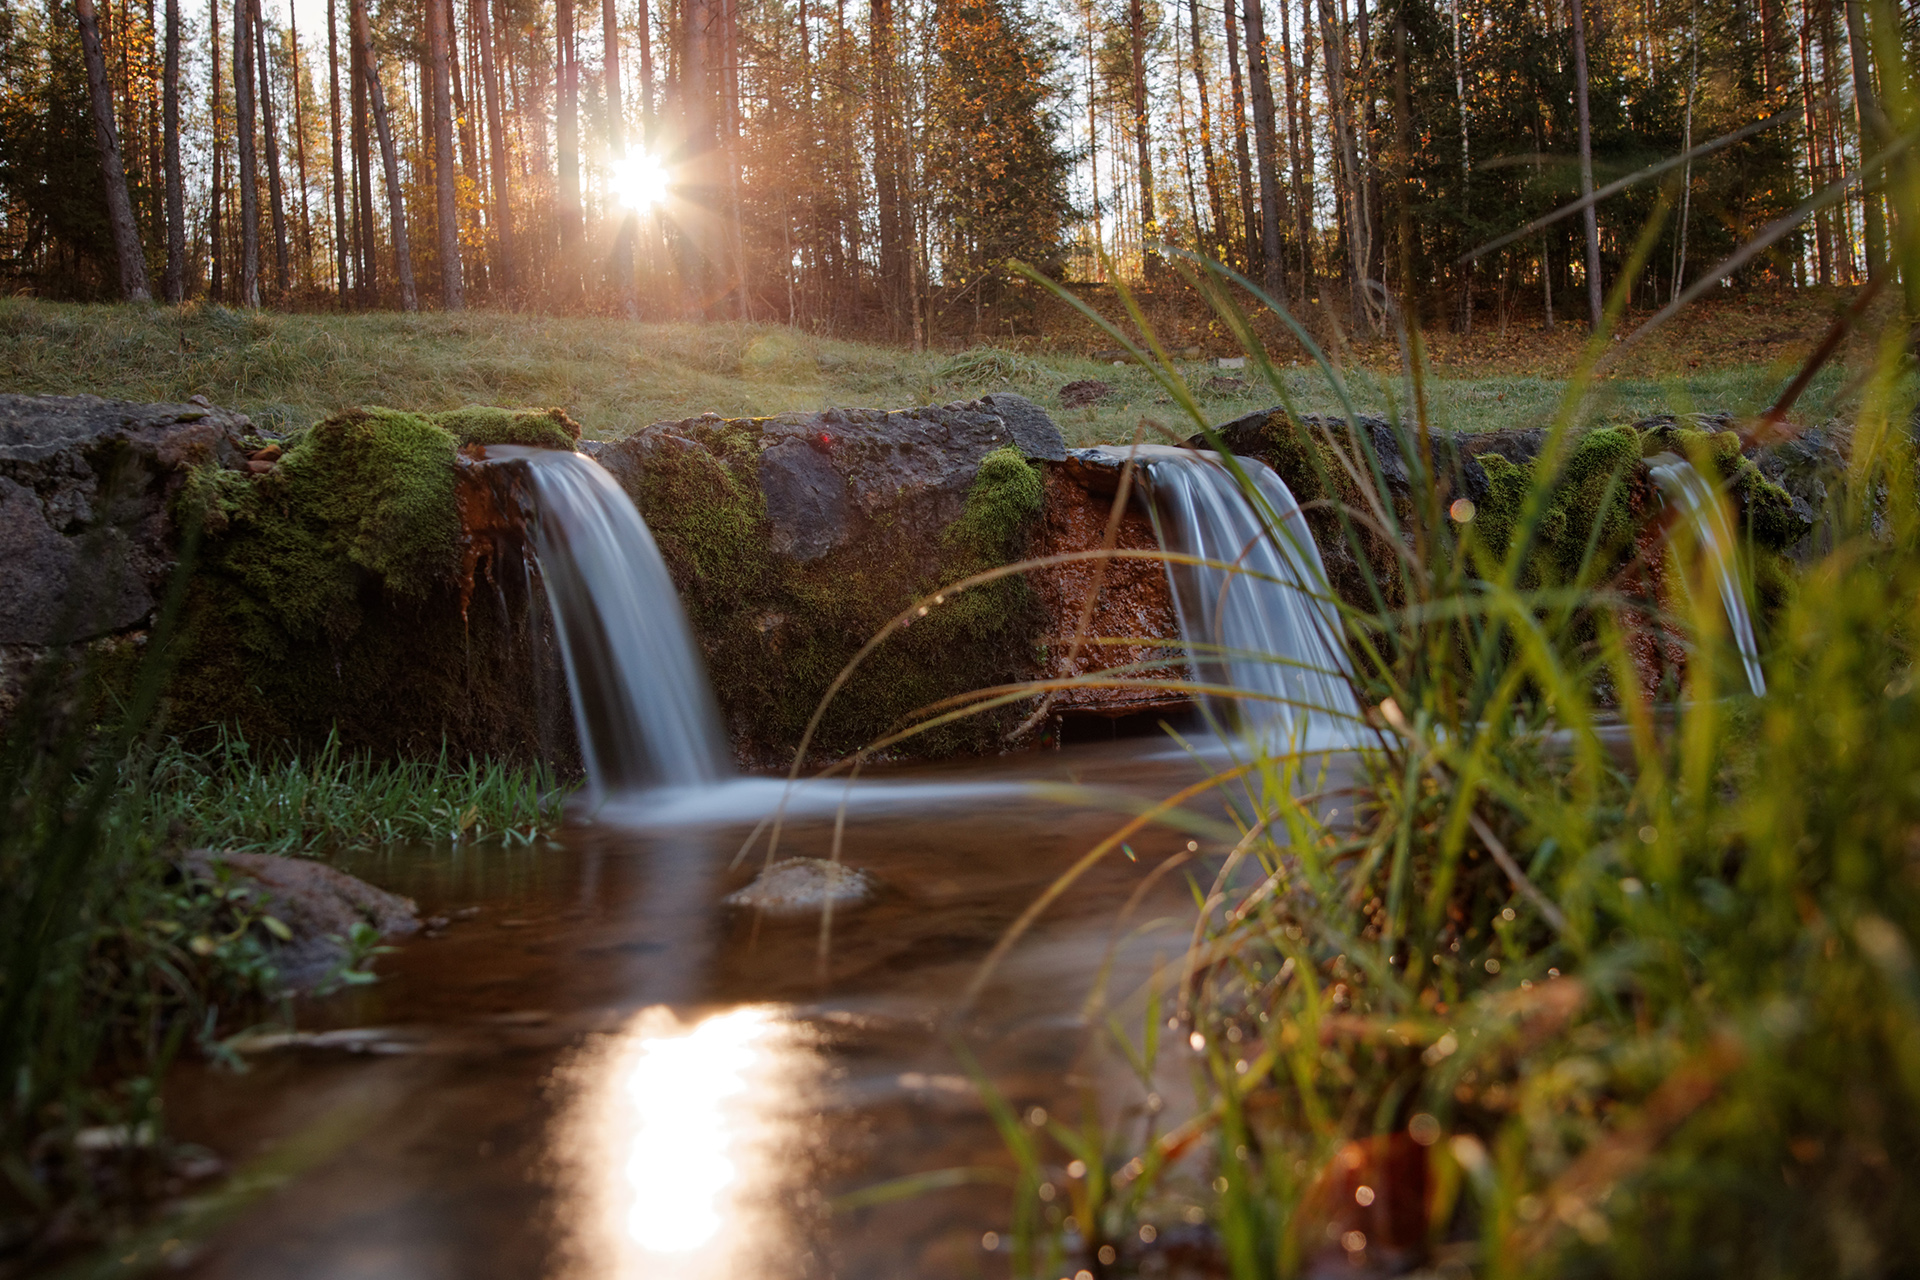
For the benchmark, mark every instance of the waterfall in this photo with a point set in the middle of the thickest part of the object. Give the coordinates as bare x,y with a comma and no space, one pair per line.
1267,628
644,710
1700,506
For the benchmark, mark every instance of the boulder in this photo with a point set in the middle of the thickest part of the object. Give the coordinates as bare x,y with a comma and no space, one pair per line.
318,904
86,487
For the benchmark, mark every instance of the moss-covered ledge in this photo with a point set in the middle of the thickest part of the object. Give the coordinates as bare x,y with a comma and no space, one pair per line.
794,539
327,589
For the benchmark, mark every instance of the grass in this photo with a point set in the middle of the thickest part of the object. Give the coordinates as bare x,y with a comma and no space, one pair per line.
230,797
616,376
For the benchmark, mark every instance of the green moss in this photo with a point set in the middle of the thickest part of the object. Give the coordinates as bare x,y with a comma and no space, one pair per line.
329,585
1590,506
1766,509
539,428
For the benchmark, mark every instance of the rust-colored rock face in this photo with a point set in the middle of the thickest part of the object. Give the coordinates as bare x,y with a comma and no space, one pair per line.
1134,598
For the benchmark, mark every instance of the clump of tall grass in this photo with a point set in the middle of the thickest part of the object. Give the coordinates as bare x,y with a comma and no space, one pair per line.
1562,980
231,796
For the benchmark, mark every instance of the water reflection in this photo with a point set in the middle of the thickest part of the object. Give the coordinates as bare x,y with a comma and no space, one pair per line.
679,1144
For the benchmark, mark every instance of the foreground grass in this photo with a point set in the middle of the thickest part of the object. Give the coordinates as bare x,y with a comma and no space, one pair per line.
616,376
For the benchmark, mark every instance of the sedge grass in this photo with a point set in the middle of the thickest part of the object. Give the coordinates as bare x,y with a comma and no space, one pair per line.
1583,983
231,797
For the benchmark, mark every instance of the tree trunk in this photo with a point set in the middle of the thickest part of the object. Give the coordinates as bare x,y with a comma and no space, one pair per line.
502,264
396,203
1596,301
249,167
364,231
214,280
1302,230
572,214
1347,158
276,193
1686,145
176,284
617,147
1466,167
1822,224
1873,134
730,106
886,167
453,294
339,167
1266,154
1142,130
300,144
1243,161
1210,168
113,174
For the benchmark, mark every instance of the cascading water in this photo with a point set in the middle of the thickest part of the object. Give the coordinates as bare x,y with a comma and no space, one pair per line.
641,700
1700,506
1267,627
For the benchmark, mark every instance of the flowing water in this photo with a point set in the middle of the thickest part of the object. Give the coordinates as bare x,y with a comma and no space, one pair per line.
1260,618
641,700
592,1067
1706,516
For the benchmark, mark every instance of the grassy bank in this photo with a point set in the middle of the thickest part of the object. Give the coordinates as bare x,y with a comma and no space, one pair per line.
614,376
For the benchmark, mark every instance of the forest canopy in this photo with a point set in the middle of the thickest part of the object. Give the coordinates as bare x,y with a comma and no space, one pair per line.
875,170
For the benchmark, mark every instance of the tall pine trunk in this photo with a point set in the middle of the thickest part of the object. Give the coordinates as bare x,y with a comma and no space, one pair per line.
572,215
1210,166
1350,181
276,192
367,274
1596,299
453,294
176,281
623,283
300,145
113,174
249,177
1142,124
1873,133
1243,162
886,167
1302,211
1266,154
339,167
215,244
502,264
389,161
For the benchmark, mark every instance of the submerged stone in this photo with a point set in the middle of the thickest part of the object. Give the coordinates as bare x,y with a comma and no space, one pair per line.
802,886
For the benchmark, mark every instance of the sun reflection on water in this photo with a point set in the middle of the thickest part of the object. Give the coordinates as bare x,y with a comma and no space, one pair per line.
675,1142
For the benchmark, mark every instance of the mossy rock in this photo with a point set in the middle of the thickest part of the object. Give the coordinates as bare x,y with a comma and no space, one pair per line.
780,611
327,594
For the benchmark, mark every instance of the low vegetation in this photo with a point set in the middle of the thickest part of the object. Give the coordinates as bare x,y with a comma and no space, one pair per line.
613,376
1576,975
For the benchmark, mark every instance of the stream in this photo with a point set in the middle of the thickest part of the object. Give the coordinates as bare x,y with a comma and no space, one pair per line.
597,1069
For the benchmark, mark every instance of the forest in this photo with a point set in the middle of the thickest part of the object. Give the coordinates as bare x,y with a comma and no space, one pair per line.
874,171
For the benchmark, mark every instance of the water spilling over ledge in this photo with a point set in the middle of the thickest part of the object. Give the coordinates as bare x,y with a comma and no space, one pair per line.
642,704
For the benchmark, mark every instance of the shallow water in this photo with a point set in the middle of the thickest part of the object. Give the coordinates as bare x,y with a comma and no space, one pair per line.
597,1070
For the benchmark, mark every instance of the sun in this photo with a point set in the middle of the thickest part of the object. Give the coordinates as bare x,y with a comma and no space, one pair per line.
639,181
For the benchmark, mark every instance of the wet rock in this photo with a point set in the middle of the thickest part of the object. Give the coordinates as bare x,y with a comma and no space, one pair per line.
319,905
793,539
1078,395
803,886
85,488
830,478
